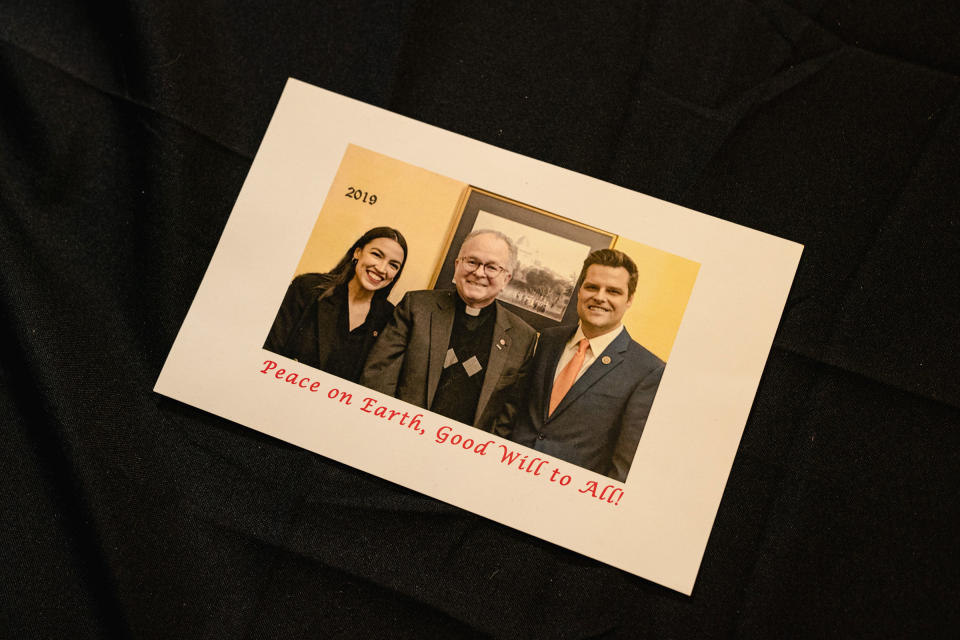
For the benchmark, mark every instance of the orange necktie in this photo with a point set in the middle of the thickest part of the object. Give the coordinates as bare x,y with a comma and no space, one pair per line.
568,375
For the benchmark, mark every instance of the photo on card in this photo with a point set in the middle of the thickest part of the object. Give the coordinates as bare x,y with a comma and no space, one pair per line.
553,352
513,367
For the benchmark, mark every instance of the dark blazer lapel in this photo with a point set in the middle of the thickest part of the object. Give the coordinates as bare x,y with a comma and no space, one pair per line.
499,348
327,313
597,371
551,356
441,325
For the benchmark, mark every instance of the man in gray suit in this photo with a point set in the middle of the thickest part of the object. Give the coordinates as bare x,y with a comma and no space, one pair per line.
591,385
457,353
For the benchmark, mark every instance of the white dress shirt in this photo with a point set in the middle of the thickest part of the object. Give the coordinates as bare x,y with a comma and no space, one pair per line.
597,346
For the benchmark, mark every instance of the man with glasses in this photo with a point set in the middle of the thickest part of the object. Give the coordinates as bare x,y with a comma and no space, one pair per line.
457,353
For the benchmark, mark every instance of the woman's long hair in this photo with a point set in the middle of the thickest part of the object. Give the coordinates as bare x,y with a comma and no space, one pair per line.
344,270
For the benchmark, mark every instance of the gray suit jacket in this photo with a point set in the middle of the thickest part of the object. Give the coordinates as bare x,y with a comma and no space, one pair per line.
598,423
407,359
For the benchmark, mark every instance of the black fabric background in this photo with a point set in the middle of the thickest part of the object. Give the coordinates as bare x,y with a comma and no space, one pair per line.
126,130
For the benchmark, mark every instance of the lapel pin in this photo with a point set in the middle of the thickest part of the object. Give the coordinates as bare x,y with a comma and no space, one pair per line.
376,333
605,359
502,342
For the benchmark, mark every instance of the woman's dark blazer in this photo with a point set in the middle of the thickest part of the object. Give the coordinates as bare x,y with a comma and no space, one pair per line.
306,327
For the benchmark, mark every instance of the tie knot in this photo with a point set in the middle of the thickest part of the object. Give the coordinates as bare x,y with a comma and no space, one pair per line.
582,346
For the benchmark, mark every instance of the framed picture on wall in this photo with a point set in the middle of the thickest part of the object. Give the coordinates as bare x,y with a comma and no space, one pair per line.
550,254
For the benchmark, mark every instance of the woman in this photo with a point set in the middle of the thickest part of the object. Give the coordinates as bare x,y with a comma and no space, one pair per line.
330,320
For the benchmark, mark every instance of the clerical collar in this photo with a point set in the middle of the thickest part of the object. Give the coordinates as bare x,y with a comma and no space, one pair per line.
474,312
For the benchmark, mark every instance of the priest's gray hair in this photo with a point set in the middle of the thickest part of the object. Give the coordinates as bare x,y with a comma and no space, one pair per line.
511,247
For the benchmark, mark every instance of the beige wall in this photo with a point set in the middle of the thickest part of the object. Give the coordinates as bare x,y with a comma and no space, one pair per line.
663,288
423,206
417,202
